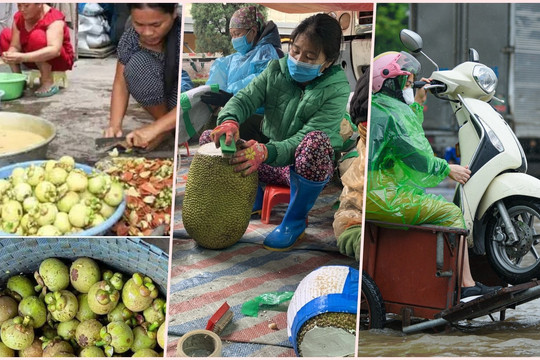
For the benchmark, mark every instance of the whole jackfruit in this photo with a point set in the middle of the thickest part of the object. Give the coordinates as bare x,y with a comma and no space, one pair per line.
218,201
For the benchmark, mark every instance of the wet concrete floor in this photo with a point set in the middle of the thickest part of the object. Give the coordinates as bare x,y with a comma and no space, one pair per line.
80,111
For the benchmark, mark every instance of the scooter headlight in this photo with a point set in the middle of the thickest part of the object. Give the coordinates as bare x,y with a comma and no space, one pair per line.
485,78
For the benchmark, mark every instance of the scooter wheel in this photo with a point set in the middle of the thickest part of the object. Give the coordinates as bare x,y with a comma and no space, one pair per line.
519,262
372,311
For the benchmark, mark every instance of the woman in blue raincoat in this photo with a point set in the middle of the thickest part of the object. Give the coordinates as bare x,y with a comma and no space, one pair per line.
256,43
402,162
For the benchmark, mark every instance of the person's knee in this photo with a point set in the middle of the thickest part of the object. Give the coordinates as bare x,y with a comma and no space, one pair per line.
36,40
5,39
314,156
144,78
316,141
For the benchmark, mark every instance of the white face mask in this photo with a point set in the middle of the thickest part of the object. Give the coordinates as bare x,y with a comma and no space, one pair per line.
408,96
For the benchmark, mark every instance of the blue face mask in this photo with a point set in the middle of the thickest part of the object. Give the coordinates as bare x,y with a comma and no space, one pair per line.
241,44
301,71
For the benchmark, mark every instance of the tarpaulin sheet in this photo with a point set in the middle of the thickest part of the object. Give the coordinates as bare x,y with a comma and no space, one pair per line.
202,280
296,8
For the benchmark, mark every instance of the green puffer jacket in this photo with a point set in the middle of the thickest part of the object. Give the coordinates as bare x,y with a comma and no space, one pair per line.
290,111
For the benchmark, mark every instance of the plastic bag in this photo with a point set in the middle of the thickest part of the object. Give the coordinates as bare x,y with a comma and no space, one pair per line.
251,307
91,9
351,199
194,114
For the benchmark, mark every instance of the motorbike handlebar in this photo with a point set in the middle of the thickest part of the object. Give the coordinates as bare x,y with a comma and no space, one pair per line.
434,86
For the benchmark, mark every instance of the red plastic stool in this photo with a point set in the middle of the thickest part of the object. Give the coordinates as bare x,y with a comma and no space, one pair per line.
273,195
187,147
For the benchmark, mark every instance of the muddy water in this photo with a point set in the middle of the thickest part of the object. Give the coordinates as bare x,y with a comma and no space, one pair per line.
518,335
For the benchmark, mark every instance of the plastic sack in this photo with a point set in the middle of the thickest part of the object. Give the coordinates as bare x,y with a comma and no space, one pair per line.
85,22
194,114
97,41
251,307
90,9
352,196
95,25
401,165
326,289
82,44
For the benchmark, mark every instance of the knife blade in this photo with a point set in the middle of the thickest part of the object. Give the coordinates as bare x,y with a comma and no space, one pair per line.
108,143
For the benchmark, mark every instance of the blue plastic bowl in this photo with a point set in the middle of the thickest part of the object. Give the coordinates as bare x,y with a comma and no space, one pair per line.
101,229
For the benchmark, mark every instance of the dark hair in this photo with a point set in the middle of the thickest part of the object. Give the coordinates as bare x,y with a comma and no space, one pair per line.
168,8
360,100
324,32
172,49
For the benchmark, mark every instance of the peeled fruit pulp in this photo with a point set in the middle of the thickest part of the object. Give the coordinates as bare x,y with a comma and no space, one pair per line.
40,199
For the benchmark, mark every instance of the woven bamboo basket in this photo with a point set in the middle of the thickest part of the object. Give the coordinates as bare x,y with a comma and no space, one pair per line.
127,255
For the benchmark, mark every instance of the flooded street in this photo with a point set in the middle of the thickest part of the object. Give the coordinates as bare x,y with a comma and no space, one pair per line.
518,335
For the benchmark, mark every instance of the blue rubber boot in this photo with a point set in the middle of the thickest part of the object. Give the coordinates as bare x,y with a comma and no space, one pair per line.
304,193
257,205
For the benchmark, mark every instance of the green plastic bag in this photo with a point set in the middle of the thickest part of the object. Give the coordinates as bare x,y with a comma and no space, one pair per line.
251,307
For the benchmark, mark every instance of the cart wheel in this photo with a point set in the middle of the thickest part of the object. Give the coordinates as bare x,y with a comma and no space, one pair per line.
372,312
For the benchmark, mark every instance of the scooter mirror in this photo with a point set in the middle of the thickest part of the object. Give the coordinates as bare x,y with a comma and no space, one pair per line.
473,55
411,40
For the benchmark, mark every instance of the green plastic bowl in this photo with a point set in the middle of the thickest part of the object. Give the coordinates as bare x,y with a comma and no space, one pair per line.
12,84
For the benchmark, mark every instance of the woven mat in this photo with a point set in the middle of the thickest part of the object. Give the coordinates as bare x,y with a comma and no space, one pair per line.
202,280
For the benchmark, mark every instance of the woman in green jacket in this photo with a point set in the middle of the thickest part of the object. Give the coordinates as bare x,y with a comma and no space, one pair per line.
305,97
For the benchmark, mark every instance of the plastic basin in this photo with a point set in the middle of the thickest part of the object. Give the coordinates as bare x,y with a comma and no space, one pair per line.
101,229
35,124
12,84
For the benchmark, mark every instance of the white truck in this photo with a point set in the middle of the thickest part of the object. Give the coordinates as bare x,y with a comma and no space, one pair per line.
507,36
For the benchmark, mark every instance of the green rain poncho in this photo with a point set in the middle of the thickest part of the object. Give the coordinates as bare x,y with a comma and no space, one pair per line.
401,165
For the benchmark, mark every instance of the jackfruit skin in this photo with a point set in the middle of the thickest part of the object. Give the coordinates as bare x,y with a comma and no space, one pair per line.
218,201
346,321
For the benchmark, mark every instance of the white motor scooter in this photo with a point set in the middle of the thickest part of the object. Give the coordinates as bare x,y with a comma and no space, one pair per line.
500,202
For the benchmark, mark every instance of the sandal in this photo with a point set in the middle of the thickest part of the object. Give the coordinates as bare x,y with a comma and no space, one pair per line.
52,90
478,289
